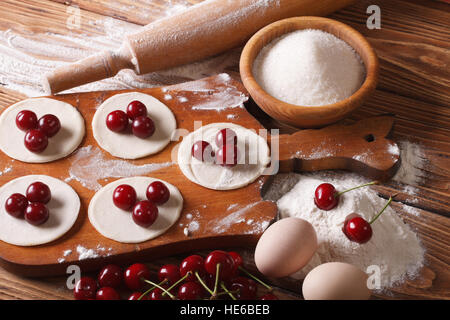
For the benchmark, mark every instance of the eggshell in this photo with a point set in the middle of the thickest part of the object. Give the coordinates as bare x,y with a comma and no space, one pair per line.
285,247
336,281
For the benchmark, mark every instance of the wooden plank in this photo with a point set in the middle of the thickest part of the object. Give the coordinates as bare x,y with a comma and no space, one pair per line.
139,12
413,45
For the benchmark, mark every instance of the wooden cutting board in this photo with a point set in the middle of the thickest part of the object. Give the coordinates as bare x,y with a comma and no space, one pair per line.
232,218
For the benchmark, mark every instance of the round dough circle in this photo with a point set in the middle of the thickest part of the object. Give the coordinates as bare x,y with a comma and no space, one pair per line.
64,208
59,146
216,177
128,146
118,225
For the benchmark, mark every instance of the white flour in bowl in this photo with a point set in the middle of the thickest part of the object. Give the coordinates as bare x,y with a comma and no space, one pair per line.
309,68
394,247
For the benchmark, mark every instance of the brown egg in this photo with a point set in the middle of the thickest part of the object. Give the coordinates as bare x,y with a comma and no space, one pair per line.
336,281
285,247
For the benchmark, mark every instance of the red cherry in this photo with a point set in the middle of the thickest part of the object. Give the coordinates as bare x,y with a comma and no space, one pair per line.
85,289
226,264
110,276
202,151
226,136
194,263
145,213
357,229
190,291
143,127
39,192
325,196
136,109
107,293
227,156
36,141
158,193
246,288
238,261
26,120
269,296
136,296
124,197
157,294
49,125
36,213
117,121
134,276
170,272
16,204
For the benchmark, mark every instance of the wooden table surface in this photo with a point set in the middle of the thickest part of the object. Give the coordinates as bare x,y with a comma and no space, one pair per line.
413,45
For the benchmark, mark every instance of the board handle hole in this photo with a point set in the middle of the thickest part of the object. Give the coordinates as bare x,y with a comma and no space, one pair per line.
369,138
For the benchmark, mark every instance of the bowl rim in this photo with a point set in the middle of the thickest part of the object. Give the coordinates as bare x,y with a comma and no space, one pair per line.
341,107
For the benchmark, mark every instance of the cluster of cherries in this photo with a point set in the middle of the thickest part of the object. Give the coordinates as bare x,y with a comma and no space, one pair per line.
142,125
37,131
226,156
145,212
216,276
356,228
32,207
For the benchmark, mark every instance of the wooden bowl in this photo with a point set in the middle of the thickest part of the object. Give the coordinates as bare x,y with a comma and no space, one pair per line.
304,116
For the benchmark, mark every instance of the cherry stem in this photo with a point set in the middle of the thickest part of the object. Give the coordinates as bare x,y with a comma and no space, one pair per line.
382,210
227,291
203,284
338,194
162,289
255,278
151,289
178,282
216,283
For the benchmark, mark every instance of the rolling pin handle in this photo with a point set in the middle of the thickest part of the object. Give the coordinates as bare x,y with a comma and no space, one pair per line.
100,66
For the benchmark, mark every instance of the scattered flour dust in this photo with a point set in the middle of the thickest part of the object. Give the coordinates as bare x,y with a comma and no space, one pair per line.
237,216
89,166
25,57
394,247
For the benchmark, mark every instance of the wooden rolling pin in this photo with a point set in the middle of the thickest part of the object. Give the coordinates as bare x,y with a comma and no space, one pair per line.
204,30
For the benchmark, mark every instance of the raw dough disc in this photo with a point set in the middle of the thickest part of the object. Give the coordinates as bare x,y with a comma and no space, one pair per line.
61,145
64,208
216,177
118,225
128,146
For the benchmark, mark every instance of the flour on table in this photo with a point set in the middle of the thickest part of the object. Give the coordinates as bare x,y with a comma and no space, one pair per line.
89,165
238,216
218,95
85,253
394,247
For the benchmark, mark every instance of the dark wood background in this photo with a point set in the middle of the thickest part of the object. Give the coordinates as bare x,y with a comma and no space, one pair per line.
413,45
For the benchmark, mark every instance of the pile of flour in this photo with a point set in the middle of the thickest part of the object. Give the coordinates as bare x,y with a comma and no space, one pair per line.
394,247
309,68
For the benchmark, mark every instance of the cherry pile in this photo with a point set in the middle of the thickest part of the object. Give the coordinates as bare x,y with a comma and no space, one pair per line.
217,276
226,156
37,131
144,212
31,207
355,228
142,126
